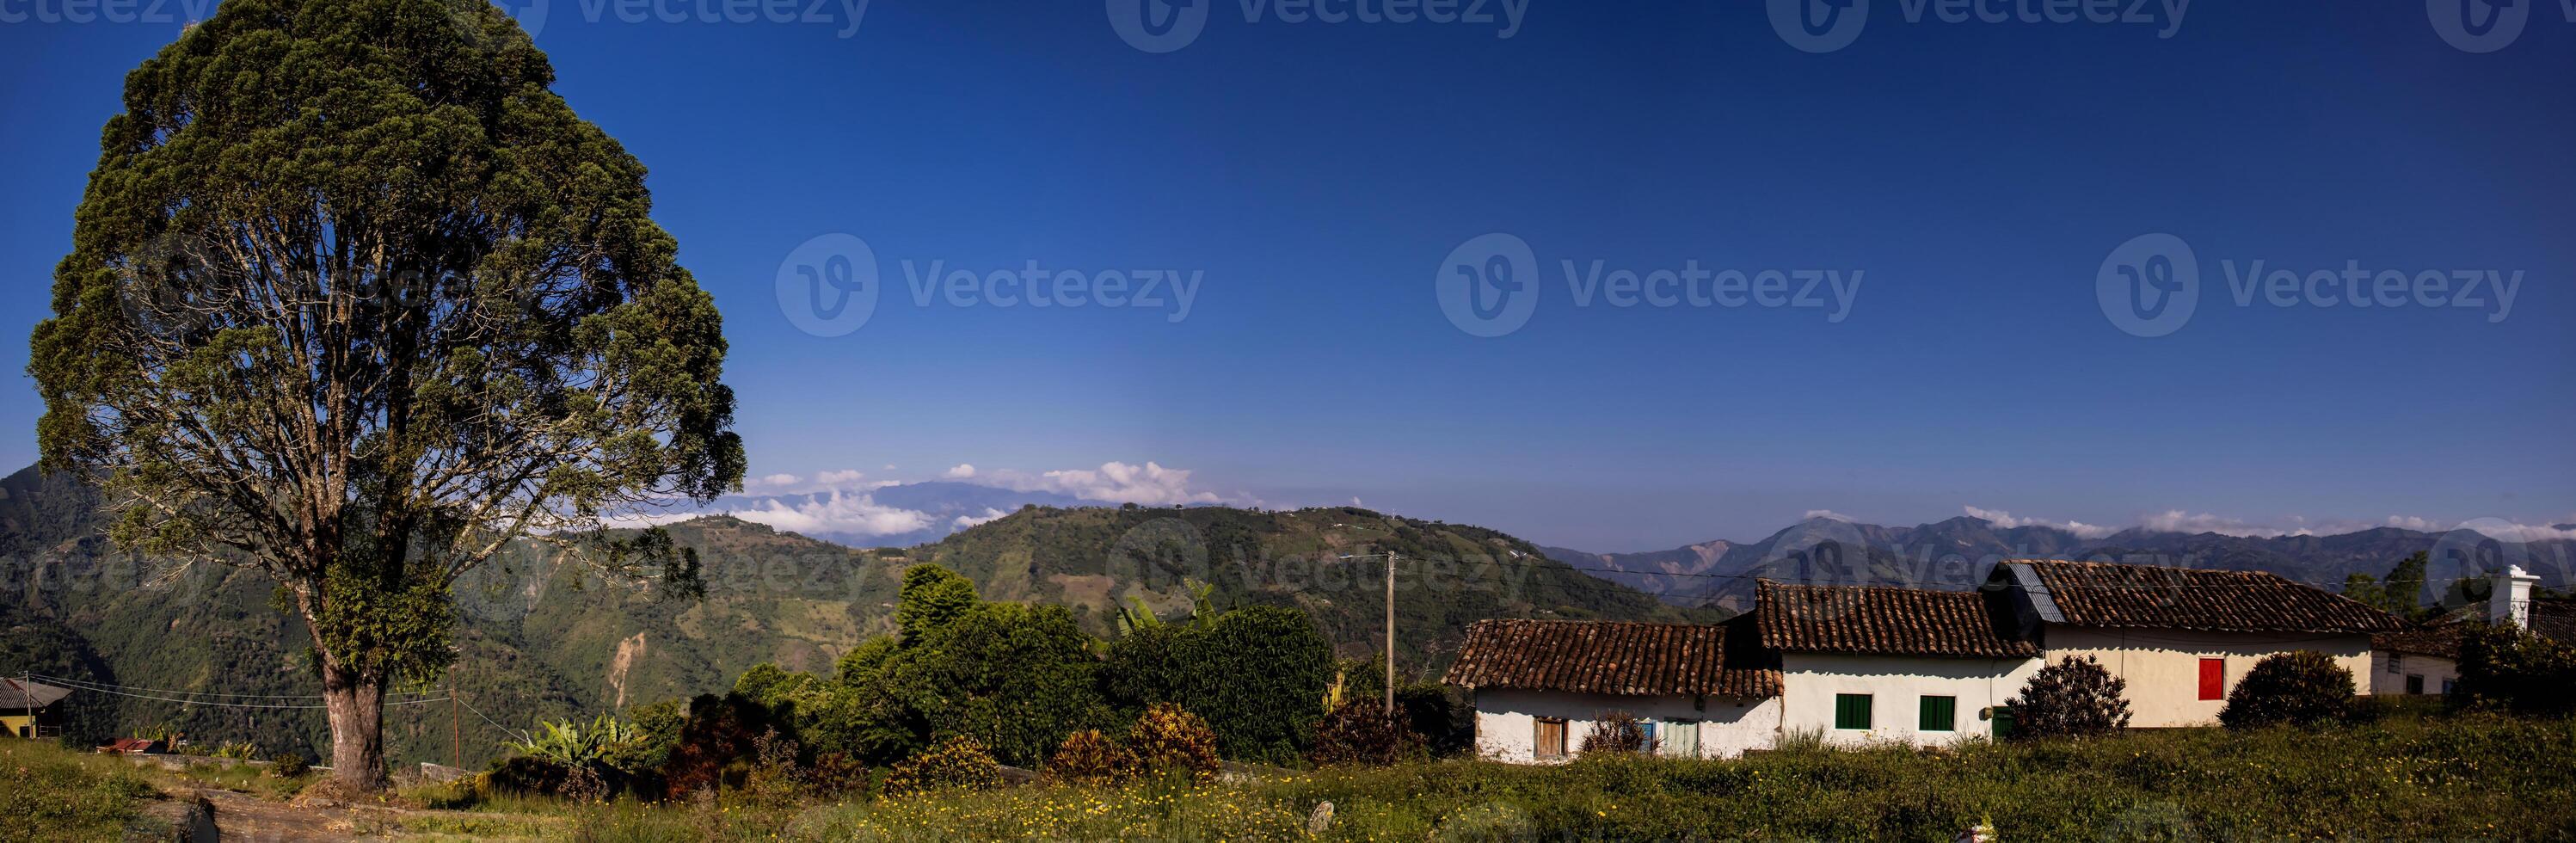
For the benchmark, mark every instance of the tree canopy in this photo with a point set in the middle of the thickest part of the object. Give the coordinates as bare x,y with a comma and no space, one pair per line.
354,299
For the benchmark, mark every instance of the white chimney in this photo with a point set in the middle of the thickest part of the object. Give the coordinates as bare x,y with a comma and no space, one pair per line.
2510,599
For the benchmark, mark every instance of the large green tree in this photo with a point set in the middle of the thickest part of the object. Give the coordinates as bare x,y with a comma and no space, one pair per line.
355,300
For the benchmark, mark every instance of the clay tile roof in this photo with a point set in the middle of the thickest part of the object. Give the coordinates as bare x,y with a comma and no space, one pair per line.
2438,639
1886,621
1607,657
2104,594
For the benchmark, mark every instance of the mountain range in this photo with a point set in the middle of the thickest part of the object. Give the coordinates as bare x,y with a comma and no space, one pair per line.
1956,553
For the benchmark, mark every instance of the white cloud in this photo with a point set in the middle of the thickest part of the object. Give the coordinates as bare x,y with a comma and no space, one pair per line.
1355,501
840,478
1814,514
990,514
961,472
773,481
2007,521
2178,521
838,512
1113,482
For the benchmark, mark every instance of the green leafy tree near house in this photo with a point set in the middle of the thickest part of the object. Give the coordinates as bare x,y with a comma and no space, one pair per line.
2400,593
355,300
1253,673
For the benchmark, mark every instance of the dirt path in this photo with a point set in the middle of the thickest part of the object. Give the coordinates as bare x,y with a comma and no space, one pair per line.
244,818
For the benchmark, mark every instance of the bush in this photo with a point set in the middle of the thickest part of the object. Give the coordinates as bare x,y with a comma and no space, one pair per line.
719,730
236,750
1167,737
2300,688
1089,757
1616,732
2507,667
1254,673
837,773
959,762
1360,732
287,765
2073,698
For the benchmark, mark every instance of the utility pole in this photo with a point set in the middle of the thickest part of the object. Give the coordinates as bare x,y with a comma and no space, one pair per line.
1390,635
1390,624
455,723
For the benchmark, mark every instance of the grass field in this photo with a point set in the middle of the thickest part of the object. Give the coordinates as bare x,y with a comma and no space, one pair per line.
50,793
2453,779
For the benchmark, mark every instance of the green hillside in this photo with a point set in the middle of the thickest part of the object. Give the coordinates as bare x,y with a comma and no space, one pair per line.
544,637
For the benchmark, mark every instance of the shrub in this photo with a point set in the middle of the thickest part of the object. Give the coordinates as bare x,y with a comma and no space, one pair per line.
718,731
236,750
1616,732
1088,757
1166,737
2073,698
1360,732
837,773
1254,673
287,765
774,779
2299,687
2508,667
959,762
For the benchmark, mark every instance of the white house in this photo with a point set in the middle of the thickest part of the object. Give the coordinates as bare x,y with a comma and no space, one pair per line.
1879,665
2426,659
1540,686
1864,665
2180,637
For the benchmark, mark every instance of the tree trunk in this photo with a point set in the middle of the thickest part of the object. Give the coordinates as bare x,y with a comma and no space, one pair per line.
356,705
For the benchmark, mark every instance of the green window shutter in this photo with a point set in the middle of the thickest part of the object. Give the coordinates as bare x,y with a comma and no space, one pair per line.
1940,714
1851,711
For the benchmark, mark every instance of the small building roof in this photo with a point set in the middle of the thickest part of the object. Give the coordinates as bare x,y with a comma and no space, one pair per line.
1609,657
21,694
1882,621
2440,639
2106,594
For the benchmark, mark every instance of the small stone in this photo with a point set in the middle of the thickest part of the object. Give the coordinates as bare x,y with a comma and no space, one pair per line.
1321,819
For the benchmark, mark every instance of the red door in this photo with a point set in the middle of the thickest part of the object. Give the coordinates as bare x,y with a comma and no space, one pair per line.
2213,679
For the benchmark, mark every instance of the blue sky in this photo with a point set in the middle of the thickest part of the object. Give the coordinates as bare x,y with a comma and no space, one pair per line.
1316,178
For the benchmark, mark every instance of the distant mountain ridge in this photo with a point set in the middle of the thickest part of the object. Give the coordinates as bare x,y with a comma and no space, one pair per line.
1955,553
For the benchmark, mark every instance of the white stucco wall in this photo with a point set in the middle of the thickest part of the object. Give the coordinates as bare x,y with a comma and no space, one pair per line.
1811,682
2435,670
2162,666
1507,728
